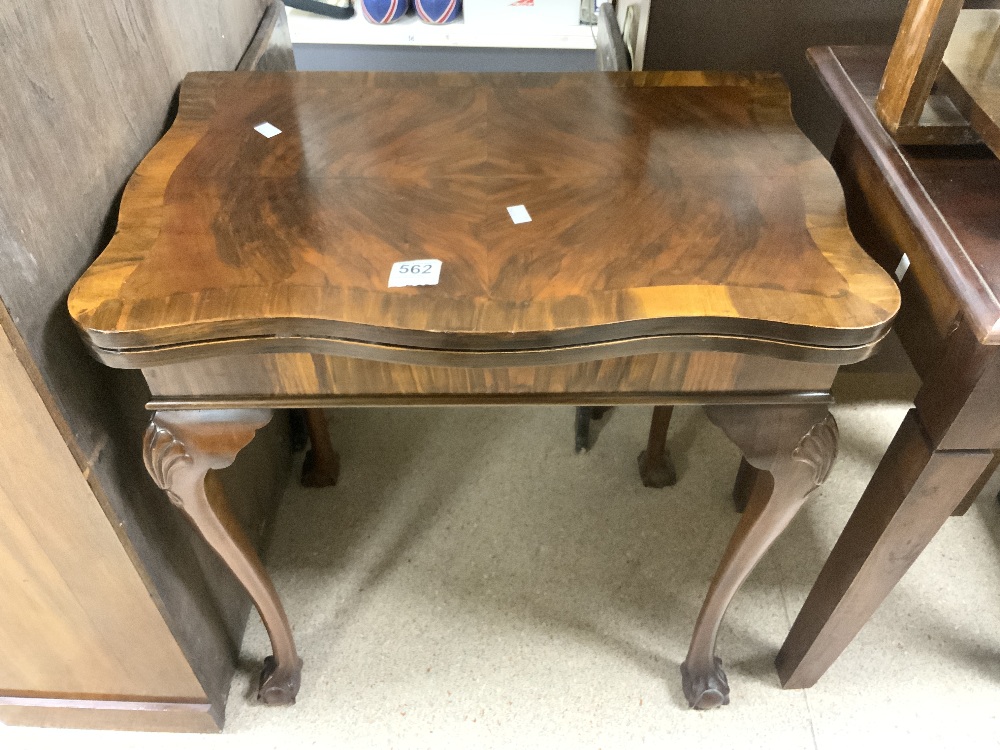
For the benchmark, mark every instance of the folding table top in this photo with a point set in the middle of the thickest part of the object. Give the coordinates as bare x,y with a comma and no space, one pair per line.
565,210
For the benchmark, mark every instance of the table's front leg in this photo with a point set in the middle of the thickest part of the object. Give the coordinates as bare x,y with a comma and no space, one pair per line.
797,446
179,450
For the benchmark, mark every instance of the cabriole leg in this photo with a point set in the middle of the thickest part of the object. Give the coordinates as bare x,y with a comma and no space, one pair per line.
656,467
180,448
797,445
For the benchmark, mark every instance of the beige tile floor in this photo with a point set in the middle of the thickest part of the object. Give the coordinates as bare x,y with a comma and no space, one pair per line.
471,583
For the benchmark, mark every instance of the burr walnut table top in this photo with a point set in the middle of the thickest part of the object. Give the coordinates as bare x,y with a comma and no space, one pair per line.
663,206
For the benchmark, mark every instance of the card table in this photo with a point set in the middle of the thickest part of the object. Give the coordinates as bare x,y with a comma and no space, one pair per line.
686,245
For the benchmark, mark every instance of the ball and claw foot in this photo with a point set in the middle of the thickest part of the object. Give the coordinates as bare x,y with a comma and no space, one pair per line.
658,472
705,691
278,687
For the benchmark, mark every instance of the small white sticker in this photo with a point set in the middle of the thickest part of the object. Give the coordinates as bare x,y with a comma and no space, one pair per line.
904,263
267,130
518,214
415,273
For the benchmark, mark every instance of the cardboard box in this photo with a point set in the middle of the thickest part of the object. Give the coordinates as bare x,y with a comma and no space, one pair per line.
525,14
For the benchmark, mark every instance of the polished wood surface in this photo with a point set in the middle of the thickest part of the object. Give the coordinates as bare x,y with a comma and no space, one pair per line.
735,224
944,195
913,492
797,446
180,449
904,105
687,244
936,205
972,61
343,380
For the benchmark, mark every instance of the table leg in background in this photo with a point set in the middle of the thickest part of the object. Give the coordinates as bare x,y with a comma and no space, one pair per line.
913,492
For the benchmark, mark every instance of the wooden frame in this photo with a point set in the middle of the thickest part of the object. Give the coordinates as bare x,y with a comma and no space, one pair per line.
939,86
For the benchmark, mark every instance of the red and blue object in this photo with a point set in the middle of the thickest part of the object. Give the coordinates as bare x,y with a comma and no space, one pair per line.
384,11
438,11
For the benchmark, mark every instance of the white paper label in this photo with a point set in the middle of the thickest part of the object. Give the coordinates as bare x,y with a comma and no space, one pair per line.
415,273
518,214
267,130
904,263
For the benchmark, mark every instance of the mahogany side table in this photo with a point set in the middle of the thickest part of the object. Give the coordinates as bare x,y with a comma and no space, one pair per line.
604,238
928,213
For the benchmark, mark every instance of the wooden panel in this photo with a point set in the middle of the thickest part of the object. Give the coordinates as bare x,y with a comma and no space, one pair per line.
88,89
959,393
973,62
914,62
318,375
78,618
735,223
944,193
931,310
98,716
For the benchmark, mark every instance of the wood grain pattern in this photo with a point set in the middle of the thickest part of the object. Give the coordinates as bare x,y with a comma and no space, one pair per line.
735,225
913,65
944,193
902,508
947,443
303,374
797,446
881,225
63,634
972,65
88,89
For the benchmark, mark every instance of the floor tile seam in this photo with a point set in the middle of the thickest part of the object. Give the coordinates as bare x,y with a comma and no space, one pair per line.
788,624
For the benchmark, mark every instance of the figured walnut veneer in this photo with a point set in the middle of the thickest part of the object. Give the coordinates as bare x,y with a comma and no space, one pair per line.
687,245
643,379
662,204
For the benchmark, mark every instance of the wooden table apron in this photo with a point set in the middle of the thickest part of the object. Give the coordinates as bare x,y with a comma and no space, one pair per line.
687,244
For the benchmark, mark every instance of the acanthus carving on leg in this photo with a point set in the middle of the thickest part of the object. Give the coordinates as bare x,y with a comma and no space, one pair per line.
163,455
818,449
180,448
797,445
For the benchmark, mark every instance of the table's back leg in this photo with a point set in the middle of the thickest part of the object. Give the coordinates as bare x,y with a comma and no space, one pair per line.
656,467
581,425
180,449
322,464
750,481
797,446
